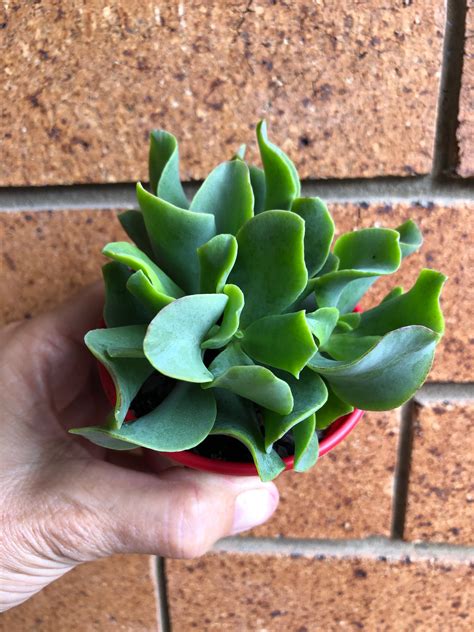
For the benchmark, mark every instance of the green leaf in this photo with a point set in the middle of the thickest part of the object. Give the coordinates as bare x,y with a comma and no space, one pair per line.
164,168
216,260
134,225
411,238
397,291
230,357
349,321
175,235
134,258
319,231
322,322
418,306
173,339
240,153
121,308
270,268
306,444
257,180
282,184
332,410
309,395
139,285
330,265
236,418
387,375
284,341
227,194
182,421
127,373
230,319
348,346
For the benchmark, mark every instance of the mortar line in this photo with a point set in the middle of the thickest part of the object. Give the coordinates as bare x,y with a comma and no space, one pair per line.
163,604
402,470
456,392
376,548
445,144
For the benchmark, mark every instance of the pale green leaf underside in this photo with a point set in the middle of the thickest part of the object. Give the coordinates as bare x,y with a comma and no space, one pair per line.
322,322
163,163
230,319
306,444
216,260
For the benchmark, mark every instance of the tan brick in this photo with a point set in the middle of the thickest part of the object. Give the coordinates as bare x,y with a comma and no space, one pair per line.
441,490
448,247
118,593
465,133
348,494
349,89
230,593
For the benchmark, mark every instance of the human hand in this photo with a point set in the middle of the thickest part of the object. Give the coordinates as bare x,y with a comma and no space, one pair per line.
63,502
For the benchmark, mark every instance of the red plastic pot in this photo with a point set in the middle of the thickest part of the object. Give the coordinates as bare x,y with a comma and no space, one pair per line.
336,432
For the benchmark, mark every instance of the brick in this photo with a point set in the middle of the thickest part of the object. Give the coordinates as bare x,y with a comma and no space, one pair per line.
117,593
349,89
441,489
465,133
252,592
348,494
47,256
448,247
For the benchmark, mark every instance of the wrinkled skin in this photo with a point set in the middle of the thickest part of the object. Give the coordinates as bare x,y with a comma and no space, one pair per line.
63,502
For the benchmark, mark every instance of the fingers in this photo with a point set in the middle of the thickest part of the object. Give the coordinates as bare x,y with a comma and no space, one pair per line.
177,513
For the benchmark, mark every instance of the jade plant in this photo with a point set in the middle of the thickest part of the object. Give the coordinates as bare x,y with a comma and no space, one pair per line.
231,316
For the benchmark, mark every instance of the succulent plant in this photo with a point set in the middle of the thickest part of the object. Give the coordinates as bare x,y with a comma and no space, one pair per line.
234,317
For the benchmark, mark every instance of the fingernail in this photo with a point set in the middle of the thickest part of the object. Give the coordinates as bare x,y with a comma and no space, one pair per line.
252,508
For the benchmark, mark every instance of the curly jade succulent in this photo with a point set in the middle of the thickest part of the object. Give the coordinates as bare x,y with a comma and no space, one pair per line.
231,315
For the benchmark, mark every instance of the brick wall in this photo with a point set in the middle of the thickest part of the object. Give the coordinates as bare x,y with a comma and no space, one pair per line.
374,101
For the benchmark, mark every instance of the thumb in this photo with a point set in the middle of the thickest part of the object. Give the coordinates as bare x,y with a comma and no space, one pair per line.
177,513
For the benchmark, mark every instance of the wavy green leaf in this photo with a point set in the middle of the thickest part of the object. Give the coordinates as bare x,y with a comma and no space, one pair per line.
216,260
348,346
163,165
127,373
309,395
332,410
230,319
173,339
270,268
411,238
236,418
322,323
387,375
240,153
306,444
175,235
257,180
319,231
227,194
121,308
282,184
182,421
134,225
140,286
396,291
283,341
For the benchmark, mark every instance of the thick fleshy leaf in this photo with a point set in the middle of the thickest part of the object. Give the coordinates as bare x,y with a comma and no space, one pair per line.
411,238
175,235
270,268
173,339
322,322
330,265
283,341
134,258
216,260
227,194
306,444
140,286
348,346
231,356
257,180
387,375
134,225
397,291
282,184
332,410
309,395
121,308
349,321
127,373
240,153
418,306
319,231
163,165
180,422
230,319
236,418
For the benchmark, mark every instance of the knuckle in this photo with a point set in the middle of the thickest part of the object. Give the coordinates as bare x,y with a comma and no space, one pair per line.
188,536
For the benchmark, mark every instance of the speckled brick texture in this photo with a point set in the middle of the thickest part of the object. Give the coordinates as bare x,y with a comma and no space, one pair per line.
465,132
230,593
348,494
114,594
349,88
441,487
